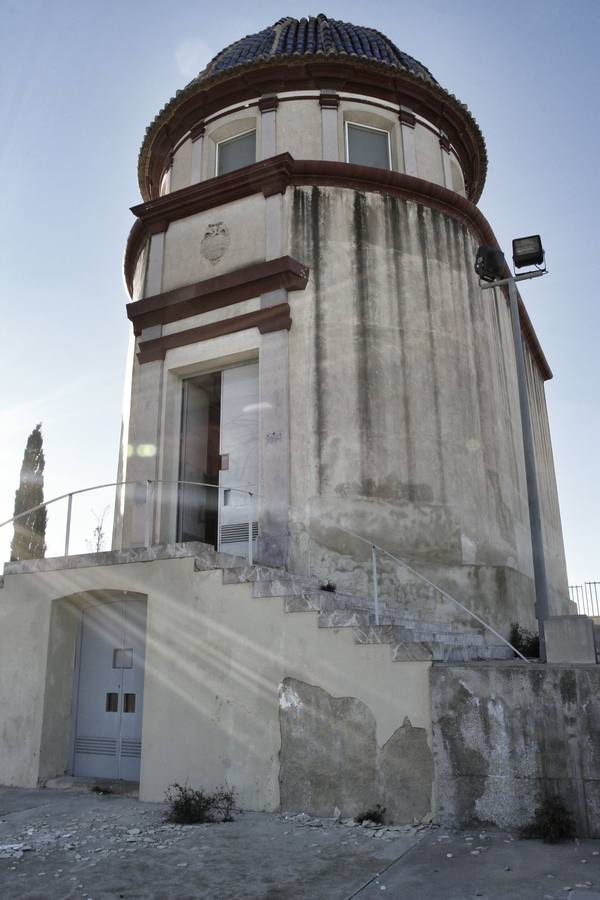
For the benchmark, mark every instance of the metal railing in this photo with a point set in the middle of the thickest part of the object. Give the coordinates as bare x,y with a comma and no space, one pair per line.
587,597
149,513
149,486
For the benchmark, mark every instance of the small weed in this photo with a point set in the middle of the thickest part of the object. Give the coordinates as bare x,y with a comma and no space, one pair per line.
104,789
329,586
375,815
527,642
552,822
190,807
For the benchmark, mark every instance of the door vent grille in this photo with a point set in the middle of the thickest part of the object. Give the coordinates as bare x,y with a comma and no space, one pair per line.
237,531
96,745
131,749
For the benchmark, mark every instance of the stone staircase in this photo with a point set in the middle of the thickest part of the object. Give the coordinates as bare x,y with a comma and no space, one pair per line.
410,637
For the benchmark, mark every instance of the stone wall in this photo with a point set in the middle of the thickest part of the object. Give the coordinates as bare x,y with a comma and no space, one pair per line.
506,735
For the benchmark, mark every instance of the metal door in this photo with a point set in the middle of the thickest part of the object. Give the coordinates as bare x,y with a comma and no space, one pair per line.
108,724
239,458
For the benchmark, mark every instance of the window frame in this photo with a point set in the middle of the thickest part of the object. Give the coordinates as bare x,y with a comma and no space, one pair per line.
367,128
234,137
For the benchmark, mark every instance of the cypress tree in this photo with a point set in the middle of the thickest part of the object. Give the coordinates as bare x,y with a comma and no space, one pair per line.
30,531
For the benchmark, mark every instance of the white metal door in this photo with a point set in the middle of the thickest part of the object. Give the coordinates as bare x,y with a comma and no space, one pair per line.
239,458
108,725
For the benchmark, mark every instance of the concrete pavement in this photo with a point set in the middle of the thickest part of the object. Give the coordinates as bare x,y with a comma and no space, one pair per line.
63,845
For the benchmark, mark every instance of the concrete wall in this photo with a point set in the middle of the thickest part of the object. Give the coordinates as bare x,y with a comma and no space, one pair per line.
403,397
193,250
236,691
554,549
58,698
24,629
505,736
299,129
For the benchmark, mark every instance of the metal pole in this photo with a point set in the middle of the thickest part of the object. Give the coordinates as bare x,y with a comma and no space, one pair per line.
147,514
68,528
535,513
375,586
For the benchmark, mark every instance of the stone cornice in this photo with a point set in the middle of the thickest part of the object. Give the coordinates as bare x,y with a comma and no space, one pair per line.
271,318
218,292
280,172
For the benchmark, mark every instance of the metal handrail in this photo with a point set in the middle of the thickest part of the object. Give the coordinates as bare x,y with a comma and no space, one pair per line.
149,487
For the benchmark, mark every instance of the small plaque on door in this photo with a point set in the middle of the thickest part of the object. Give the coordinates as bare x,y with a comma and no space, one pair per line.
224,463
122,659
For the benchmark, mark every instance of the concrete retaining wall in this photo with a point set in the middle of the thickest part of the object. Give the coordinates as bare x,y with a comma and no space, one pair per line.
505,735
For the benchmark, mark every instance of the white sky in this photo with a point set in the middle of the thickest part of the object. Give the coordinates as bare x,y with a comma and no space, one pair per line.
80,83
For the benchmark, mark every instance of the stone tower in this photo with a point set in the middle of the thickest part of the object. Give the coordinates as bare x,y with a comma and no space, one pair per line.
308,328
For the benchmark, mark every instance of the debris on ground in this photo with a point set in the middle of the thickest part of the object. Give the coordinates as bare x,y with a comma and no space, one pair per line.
366,827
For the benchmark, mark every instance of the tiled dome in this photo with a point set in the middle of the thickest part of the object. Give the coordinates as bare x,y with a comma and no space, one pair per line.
311,54
310,36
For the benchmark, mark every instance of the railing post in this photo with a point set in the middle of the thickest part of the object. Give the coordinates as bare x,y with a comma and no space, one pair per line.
375,585
68,528
250,517
148,515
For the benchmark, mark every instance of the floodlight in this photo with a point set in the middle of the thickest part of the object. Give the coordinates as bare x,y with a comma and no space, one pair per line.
490,263
528,251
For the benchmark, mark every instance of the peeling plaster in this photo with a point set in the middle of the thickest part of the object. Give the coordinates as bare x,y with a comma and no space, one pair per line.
330,758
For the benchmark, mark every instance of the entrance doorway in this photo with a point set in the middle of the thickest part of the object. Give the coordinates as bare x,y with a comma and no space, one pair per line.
219,446
110,687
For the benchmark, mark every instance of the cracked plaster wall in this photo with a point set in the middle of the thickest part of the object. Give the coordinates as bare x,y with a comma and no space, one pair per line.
506,735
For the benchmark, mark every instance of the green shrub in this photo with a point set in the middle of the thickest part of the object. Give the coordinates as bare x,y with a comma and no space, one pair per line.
328,586
104,789
190,807
371,815
527,642
552,822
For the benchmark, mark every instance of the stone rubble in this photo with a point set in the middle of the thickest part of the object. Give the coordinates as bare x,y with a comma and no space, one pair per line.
367,827
100,833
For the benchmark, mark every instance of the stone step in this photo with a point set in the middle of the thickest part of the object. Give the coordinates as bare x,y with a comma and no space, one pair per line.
344,618
286,586
387,634
207,558
248,573
443,637
408,651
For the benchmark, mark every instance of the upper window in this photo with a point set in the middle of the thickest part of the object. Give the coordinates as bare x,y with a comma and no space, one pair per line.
367,146
236,152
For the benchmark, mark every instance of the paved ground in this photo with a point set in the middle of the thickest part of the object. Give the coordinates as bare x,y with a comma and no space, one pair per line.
61,845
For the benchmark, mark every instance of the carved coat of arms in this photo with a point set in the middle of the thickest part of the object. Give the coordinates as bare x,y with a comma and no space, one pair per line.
215,242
